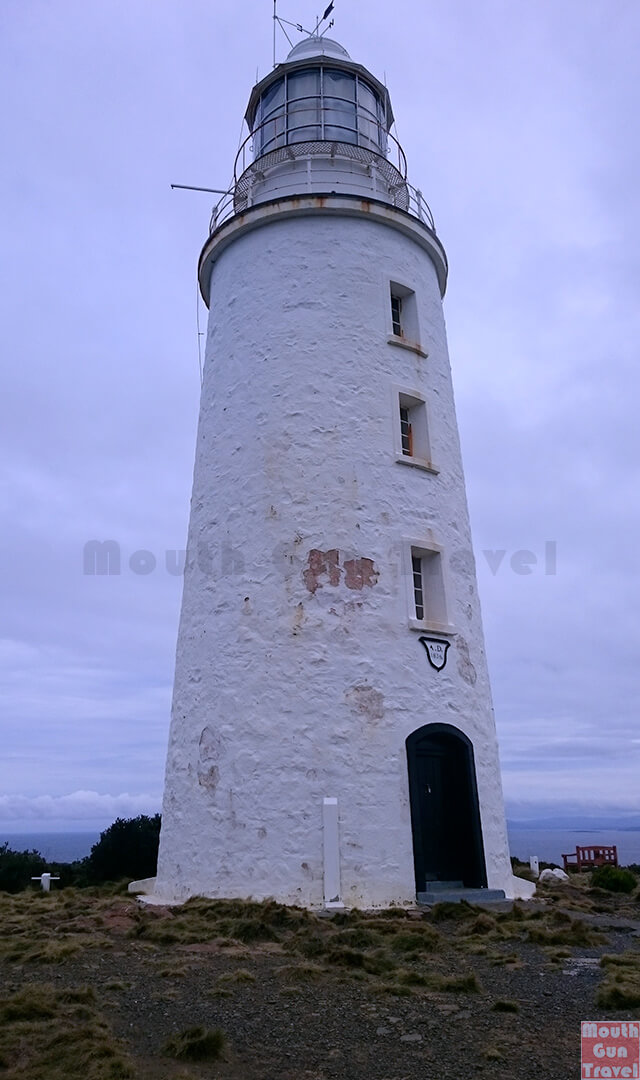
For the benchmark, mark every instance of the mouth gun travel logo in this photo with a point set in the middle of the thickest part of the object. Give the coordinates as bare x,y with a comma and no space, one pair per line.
610,1050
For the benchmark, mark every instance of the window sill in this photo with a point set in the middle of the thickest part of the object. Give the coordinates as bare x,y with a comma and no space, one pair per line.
422,625
403,343
417,463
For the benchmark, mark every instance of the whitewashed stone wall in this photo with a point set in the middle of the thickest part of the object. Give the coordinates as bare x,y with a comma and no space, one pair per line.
295,682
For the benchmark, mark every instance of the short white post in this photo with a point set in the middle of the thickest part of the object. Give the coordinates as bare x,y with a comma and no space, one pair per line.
535,866
45,880
331,845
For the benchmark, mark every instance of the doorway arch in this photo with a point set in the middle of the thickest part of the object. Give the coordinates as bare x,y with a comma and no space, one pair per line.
445,812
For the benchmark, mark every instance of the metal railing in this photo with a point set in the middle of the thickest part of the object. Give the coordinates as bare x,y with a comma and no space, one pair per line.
394,155
401,193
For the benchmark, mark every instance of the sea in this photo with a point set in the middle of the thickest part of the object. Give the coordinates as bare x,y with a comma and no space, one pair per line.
62,847
548,844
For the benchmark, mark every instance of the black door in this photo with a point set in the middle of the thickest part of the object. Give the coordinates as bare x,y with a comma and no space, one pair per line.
445,816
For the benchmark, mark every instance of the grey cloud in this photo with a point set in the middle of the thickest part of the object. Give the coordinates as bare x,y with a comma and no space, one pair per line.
517,130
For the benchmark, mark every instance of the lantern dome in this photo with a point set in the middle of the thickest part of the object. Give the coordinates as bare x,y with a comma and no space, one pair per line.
317,46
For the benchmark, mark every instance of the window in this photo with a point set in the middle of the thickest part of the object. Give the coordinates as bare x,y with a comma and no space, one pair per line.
411,441
319,103
339,111
271,115
396,309
404,316
427,600
406,431
371,119
418,590
304,106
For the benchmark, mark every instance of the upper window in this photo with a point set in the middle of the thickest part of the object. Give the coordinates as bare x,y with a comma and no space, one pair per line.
396,315
404,313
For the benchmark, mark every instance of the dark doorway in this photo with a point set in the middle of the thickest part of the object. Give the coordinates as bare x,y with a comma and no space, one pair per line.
445,815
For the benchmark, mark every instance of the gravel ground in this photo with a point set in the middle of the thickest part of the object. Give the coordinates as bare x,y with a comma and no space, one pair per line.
292,1017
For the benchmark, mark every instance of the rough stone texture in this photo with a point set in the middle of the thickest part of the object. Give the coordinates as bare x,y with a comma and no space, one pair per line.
297,674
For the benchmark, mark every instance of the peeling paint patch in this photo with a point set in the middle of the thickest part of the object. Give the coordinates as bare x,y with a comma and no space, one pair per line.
321,563
365,701
208,754
298,618
358,573
466,669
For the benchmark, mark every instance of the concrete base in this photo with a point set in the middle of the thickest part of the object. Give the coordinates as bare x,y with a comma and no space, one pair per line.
453,896
144,885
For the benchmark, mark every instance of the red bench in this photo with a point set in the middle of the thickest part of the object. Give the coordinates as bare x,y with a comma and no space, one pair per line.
590,856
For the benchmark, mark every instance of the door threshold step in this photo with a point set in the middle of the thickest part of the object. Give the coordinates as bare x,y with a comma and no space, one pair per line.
444,886
454,896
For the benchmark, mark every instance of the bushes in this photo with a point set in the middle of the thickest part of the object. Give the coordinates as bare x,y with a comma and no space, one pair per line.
614,879
18,867
128,848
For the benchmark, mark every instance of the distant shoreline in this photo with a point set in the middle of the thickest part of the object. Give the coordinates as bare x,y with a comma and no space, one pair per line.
548,842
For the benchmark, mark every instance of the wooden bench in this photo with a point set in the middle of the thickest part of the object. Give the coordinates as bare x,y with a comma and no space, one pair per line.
590,856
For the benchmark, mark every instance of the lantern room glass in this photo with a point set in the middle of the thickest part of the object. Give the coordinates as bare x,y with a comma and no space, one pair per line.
320,104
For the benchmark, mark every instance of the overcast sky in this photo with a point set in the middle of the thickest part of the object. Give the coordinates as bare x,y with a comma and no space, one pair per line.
520,124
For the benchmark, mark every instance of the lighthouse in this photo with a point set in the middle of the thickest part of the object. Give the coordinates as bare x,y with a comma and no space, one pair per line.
332,737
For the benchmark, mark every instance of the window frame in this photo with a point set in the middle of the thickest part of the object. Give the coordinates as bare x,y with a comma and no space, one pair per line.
396,315
440,620
365,128
420,420
403,330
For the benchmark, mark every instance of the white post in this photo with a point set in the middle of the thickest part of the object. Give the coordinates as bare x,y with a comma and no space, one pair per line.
45,880
331,845
534,864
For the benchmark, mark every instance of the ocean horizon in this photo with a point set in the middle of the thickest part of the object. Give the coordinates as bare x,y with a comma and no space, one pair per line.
61,847
548,843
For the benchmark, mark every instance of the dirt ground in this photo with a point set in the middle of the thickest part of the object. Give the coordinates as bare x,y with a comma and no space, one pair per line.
95,986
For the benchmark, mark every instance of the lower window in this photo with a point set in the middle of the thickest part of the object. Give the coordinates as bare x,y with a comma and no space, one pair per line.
428,599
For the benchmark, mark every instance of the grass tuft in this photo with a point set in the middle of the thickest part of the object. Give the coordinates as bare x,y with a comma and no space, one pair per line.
458,984
575,932
621,986
449,911
423,940
240,975
196,1044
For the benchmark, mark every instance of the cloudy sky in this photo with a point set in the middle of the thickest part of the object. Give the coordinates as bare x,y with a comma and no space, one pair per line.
520,124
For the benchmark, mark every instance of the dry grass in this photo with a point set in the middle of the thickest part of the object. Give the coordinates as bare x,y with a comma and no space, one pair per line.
159,954
58,1034
621,986
196,1044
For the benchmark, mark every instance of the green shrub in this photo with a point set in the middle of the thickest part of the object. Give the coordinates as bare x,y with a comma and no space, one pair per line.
128,848
18,867
614,879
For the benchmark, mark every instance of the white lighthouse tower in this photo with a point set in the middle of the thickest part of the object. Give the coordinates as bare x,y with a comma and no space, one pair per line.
332,738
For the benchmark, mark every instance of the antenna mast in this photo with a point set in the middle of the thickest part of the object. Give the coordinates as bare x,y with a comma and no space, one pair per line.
277,19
